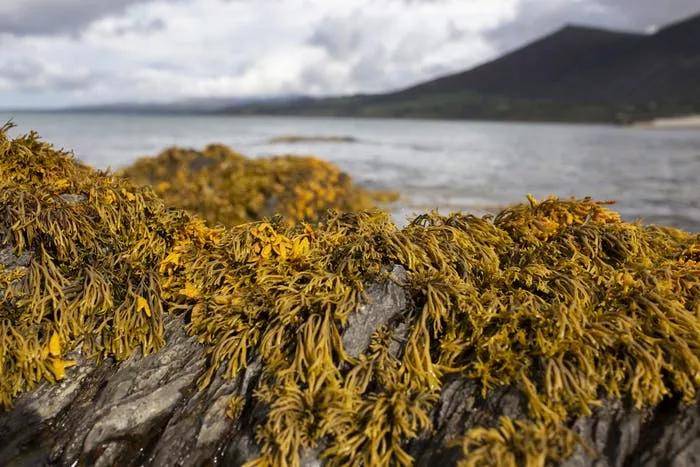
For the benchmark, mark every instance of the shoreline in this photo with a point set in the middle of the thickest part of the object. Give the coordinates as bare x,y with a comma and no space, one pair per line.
680,122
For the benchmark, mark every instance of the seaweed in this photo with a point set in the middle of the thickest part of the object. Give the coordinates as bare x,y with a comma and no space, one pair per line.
226,188
514,443
93,244
559,298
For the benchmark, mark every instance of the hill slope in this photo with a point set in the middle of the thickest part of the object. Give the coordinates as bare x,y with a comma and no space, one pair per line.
574,74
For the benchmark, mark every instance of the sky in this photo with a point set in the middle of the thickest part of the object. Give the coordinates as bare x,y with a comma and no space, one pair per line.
77,52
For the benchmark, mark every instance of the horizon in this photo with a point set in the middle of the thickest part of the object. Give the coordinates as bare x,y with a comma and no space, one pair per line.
24,87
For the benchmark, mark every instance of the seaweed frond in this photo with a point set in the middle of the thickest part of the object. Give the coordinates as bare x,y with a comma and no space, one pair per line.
517,443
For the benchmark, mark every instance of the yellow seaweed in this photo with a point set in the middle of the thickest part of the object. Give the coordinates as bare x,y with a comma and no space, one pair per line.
517,443
227,188
559,298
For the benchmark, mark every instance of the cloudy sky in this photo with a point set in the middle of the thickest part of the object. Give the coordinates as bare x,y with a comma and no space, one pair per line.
72,52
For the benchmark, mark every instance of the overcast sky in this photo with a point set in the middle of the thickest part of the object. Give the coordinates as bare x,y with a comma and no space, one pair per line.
68,52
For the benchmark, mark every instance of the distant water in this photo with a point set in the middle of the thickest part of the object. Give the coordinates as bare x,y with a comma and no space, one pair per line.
448,165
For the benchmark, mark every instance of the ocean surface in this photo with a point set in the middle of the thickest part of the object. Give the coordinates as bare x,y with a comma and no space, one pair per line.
478,167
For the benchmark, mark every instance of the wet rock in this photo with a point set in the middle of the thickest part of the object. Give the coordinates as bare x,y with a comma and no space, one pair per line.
71,198
615,435
10,260
385,301
668,434
460,408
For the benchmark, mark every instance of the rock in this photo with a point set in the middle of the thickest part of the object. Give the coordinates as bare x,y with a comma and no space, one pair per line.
615,435
73,198
668,434
10,261
385,301
150,411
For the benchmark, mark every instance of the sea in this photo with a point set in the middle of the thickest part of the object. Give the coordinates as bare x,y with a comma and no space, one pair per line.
653,175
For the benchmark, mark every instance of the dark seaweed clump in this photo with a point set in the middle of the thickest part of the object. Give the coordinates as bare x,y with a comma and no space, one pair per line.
560,298
226,188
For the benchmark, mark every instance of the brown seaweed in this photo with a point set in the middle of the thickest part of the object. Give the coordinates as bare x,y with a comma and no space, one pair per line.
560,298
226,188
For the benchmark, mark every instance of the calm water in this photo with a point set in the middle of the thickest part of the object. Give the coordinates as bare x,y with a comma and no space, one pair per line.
471,166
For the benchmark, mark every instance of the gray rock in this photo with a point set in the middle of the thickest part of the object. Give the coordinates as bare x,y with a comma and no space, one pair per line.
10,260
668,434
71,198
385,301
150,411
615,435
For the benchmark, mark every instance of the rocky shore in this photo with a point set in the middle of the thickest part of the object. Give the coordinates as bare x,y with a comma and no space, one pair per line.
134,333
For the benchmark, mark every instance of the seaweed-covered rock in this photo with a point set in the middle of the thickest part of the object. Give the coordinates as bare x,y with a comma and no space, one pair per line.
150,411
615,434
561,301
79,260
227,188
130,332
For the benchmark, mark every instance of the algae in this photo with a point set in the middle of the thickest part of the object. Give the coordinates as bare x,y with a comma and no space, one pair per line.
517,443
227,188
560,298
90,277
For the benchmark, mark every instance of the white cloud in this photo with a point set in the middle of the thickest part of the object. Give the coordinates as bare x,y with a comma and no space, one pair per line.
145,50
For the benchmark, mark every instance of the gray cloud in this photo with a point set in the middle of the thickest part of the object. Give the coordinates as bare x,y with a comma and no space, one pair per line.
536,18
49,17
20,70
32,75
316,78
339,36
648,13
367,68
141,27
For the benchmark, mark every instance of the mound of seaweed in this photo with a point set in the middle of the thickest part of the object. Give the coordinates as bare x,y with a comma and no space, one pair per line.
80,263
227,188
561,300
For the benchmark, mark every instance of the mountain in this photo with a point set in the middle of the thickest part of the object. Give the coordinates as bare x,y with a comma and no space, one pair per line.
574,74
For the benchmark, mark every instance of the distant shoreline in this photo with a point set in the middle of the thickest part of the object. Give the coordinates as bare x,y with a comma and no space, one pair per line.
682,122
677,122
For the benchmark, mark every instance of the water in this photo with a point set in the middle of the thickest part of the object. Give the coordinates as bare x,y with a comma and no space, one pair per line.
472,166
